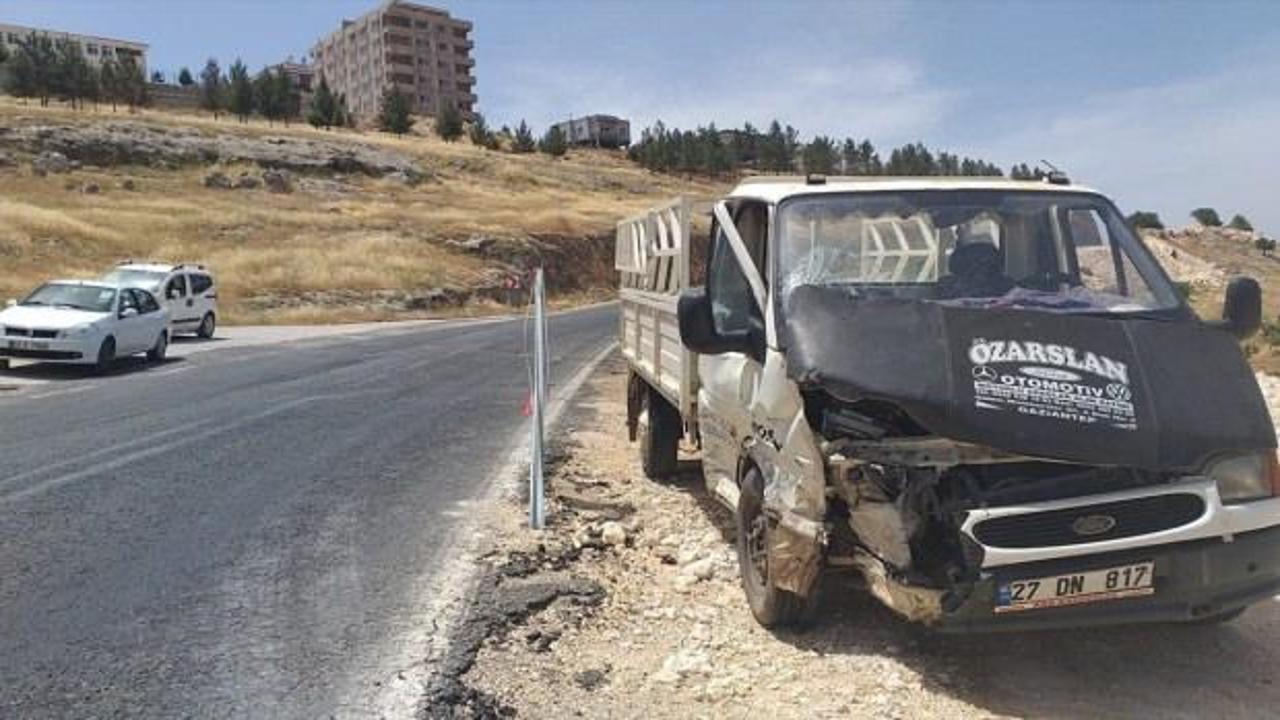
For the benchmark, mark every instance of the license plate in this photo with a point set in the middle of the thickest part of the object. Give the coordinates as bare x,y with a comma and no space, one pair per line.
1114,583
27,345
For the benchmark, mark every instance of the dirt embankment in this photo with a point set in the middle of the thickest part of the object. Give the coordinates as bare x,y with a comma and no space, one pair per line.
637,613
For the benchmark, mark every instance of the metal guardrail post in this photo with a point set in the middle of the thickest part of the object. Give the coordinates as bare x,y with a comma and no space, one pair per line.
537,490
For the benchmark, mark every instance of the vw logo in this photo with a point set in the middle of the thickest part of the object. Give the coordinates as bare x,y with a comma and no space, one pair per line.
1088,525
1119,392
982,372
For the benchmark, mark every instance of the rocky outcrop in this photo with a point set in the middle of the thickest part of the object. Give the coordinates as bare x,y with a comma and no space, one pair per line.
135,143
278,181
50,163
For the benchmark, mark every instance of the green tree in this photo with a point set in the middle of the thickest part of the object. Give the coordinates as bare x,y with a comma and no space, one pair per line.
133,83
1207,216
109,81
553,142
342,116
773,149
449,122
157,77
266,96
290,99
1240,222
241,95
71,77
395,115
34,72
523,142
323,110
820,156
1266,245
481,135
213,94
1142,219
185,79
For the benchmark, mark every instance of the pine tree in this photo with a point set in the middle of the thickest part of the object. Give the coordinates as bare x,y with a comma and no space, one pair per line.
481,135
133,83
523,142
553,142
185,79
212,88
109,81
449,122
342,116
1240,222
241,91
290,100
157,77
395,116
266,97
773,149
820,156
322,112
35,69
71,75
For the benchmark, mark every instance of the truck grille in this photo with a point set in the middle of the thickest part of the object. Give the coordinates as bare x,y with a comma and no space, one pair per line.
1127,518
27,332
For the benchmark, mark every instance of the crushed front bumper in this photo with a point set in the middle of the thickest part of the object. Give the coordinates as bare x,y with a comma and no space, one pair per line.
1193,580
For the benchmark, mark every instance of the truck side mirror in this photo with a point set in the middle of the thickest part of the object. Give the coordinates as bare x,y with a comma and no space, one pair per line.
698,328
1242,307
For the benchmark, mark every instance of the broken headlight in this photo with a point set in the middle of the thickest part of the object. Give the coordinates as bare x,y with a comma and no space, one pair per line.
1242,478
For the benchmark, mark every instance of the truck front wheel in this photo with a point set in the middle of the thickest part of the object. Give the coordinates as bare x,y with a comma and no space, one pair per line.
659,430
771,606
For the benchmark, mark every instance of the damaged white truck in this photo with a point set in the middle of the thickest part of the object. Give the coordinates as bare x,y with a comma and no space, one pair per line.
984,395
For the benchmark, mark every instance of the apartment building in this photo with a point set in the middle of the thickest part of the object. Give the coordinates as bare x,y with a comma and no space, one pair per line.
605,131
96,49
422,50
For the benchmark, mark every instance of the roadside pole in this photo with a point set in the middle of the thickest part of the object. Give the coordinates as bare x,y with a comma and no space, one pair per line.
537,502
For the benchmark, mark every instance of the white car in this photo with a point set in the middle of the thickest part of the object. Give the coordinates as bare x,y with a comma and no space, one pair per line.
187,290
84,323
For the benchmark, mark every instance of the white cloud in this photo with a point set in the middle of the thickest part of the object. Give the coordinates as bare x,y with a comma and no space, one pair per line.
1209,140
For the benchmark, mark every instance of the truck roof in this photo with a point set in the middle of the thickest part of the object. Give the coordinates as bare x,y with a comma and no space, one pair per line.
774,188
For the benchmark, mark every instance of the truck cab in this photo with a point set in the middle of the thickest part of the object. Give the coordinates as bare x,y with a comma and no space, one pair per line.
983,395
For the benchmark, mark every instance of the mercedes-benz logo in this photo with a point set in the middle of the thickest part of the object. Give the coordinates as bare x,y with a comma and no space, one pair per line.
982,372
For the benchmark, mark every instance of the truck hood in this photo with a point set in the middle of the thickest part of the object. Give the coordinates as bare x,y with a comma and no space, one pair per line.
48,318
1141,393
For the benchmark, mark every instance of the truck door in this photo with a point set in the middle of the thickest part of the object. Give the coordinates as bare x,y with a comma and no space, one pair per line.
729,380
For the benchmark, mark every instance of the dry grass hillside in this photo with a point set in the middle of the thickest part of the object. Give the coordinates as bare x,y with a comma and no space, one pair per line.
1205,259
342,245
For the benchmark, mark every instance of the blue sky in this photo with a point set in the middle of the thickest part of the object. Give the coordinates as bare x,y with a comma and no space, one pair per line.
1165,105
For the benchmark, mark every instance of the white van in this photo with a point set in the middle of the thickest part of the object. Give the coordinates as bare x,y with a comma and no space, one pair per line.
187,290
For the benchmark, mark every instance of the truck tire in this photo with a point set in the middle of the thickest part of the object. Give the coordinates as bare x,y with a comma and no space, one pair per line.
659,430
771,606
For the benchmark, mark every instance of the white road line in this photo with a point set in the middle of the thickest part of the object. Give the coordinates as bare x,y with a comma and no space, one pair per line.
123,460
110,450
59,393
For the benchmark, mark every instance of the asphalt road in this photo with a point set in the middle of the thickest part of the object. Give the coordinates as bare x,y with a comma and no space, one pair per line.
249,531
